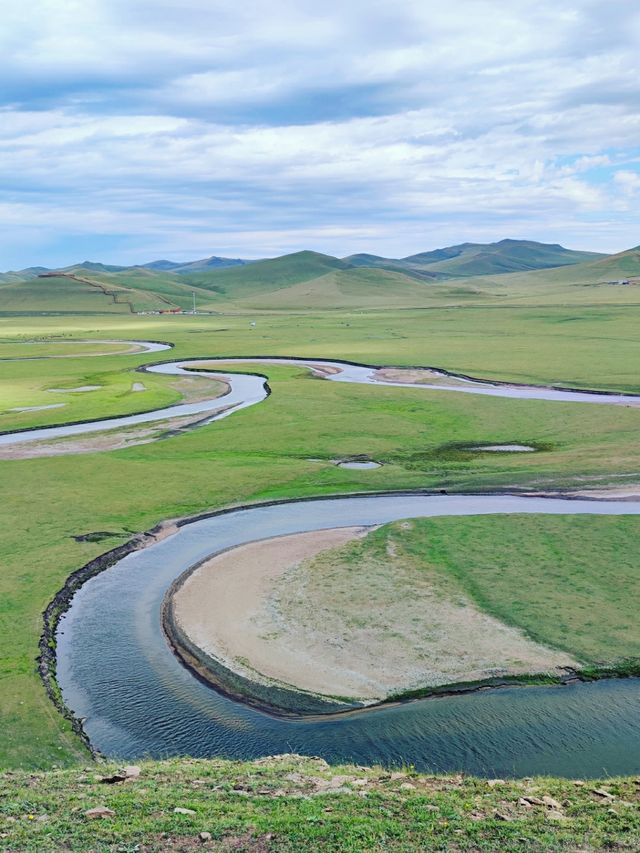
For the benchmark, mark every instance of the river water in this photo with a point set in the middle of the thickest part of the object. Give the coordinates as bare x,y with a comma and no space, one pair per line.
247,390
117,671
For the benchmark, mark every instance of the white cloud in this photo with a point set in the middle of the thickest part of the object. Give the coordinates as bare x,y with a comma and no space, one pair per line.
286,121
628,182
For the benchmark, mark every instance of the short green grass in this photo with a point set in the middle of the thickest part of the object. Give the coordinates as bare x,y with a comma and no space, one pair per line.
569,582
289,803
265,451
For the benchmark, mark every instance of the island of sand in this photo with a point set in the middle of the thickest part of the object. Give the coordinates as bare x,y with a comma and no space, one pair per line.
321,621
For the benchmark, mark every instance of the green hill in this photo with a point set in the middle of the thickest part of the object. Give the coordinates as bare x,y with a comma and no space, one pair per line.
344,288
60,295
212,263
471,259
266,276
497,273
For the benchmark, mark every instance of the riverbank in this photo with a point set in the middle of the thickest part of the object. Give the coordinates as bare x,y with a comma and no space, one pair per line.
288,802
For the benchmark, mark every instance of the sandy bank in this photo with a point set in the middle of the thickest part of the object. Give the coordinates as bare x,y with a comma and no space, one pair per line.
288,611
224,609
416,376
191,389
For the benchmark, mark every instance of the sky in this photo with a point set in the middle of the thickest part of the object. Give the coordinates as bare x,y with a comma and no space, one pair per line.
132,130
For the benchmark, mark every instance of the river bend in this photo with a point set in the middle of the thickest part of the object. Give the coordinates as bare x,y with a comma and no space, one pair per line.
248,389
117,672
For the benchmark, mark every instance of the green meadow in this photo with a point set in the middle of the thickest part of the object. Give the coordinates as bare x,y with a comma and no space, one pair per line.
283,446
568,582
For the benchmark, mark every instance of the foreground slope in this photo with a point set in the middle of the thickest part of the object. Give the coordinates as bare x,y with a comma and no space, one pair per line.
292,803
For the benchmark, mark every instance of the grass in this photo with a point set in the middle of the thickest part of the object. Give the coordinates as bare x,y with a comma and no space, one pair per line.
290,803
262,452
265,451
27,383
568,582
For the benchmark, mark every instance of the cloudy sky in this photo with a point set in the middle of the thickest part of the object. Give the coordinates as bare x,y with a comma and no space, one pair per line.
140,129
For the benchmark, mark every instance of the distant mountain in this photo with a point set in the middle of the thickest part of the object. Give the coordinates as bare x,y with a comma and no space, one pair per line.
161,265
309,279
392,265
470,259
214,262
365,260
94,266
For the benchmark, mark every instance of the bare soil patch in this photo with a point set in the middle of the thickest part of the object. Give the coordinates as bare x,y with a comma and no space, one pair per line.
416,376
192,390
305,611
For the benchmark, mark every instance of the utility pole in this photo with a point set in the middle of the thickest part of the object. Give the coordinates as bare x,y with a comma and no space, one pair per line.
194,301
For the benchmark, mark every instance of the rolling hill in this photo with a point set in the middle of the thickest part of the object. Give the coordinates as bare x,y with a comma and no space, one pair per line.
472,259
212,263
505,271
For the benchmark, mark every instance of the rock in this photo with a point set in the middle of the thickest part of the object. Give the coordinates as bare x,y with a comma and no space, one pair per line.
550,803
524,801
99,812
602,793
578,783
132,771
397,775
339,781
181,810
503,816
205,836
554,814
407,786
533,801
112,780
493,782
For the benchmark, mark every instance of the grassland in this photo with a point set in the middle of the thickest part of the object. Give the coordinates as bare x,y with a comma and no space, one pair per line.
567,582
570,583
266,451
289,803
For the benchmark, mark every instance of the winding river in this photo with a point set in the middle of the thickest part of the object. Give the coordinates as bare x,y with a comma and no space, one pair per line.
249,389
118,673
